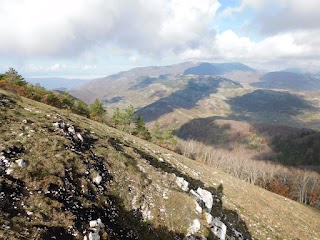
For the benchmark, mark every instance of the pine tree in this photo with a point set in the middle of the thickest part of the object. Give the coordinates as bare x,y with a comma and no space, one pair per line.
12,76
141,129
97,111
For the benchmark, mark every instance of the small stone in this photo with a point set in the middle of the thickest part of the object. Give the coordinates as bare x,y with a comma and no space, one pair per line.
29,213
80,137
97,179
21,163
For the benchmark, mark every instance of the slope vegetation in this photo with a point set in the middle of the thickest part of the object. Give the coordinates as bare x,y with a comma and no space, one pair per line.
67,177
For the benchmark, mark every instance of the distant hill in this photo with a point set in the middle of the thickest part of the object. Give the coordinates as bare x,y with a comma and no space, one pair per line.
288,80
106,88
58,83
217,68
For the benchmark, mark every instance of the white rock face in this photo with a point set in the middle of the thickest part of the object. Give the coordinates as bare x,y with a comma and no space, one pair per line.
183,184
195,227
207,198
219,229
97,179
21,163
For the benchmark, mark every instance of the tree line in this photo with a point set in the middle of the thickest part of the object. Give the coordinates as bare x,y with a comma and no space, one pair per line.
302,185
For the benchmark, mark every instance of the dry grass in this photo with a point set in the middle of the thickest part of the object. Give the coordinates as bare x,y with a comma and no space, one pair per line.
139,182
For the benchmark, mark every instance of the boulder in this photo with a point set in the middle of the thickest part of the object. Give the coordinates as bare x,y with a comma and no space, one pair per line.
206,198
183,184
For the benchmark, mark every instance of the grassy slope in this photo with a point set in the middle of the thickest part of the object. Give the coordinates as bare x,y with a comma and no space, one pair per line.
139,182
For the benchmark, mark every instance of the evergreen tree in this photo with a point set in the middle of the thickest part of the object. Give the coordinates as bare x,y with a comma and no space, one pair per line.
12,76
97,111
141,129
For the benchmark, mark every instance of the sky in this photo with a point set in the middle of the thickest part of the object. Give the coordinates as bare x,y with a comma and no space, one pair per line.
94,38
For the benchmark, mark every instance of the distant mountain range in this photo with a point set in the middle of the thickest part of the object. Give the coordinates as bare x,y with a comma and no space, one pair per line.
113,85
217,68
58,83
173,95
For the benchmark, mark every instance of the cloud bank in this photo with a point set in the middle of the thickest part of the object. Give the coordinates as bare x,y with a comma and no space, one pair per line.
67,28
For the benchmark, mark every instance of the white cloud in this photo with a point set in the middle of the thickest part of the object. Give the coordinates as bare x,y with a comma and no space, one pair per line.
299,48
275,16
69,28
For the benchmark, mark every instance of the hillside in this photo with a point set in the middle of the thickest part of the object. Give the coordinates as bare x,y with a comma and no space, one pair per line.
53,83
288,80
59,171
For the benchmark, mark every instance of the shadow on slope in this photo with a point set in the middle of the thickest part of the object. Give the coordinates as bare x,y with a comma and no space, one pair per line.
267,106
269,101
187,98
282,144
288,80
236,227
147,81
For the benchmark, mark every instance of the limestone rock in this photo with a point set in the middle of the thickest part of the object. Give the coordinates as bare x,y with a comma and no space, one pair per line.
71,130
219,229
183,184
80,137
207,198
97,179
198,208
195,227
209,218
21,163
